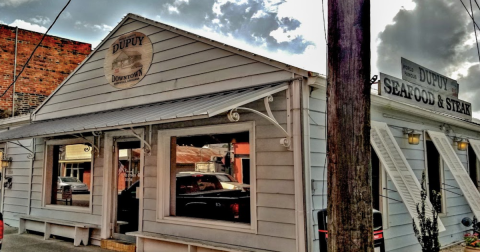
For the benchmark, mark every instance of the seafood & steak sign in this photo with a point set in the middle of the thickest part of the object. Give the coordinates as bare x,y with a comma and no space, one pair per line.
423,96
128,60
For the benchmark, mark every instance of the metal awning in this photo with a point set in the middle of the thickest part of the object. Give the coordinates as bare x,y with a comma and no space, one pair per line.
199,107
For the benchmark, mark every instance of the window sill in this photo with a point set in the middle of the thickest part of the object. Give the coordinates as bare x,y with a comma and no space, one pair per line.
213,224
69,208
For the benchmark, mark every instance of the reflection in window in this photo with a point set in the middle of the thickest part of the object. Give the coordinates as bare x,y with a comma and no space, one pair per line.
473,166
211,177
71,173
434,174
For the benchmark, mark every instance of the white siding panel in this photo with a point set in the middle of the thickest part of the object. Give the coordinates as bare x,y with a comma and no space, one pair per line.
229,237
179,62
16,198
167,71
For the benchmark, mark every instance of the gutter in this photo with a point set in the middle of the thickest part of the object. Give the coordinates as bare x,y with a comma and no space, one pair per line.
14,121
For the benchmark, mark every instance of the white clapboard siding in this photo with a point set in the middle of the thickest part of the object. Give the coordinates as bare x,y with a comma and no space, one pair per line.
181,67
15,200
398,169
444,147
275,199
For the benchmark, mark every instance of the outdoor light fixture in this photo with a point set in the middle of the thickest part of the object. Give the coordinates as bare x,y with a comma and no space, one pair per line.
462,144
6,162
413,136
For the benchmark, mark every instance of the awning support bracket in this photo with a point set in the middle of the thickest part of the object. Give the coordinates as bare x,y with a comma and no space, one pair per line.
96,150
147,146
234,116
31,155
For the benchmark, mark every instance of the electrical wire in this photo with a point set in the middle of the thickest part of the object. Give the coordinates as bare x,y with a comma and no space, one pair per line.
475,28
477,4
475,23
324,26
33,52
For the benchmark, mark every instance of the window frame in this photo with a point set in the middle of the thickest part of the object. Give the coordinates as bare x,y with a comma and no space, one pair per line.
383,200
475,165
47,188
441,169
163,177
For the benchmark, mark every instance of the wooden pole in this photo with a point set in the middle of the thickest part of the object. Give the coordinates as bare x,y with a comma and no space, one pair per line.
350,218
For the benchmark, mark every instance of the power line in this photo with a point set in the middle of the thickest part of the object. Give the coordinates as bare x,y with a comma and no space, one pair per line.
31,55
464,6
475,29
477,4
324,26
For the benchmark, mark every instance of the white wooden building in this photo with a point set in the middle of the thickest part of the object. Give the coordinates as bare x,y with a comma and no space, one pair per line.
199,92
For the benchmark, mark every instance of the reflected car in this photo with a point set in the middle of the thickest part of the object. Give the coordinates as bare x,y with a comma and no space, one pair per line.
227,180
76,185
201,195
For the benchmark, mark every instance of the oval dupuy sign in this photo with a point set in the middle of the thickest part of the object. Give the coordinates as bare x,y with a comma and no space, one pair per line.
128,60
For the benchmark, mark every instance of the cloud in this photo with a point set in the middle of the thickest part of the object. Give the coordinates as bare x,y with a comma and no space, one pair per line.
28,26
470,87
66,15
1,22
40,20
95,27
426,36
13,3
255,22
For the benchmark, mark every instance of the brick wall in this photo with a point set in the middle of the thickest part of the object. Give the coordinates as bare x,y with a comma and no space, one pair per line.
53,61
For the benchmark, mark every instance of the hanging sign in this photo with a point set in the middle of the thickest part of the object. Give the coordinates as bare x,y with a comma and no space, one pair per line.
425,77
424,97
128,60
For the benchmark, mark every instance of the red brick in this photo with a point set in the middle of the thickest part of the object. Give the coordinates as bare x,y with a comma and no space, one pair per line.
53,61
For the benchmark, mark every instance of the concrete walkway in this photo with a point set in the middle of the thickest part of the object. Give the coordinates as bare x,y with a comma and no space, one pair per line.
13,242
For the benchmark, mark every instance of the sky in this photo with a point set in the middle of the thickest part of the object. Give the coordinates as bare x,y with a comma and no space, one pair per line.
437,34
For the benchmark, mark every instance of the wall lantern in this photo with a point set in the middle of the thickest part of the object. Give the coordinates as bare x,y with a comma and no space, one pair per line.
462,144
6,162
413,136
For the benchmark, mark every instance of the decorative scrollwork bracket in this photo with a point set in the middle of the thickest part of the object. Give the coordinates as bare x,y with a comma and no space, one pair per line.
147,147
96,150
30,155
234,116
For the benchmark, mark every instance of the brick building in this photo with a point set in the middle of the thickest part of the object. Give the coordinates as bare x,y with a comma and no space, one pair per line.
53,61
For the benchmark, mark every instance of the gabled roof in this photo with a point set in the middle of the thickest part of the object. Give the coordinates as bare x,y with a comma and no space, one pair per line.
250,55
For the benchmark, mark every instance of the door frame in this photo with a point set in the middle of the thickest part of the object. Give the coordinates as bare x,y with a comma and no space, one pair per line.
109,180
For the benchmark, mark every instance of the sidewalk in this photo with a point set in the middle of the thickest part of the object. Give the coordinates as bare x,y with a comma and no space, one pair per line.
13,242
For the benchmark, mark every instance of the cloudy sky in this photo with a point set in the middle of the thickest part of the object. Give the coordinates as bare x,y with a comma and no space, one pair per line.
435,33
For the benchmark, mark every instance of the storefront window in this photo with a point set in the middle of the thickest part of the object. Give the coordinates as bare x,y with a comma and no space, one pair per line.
435,174
473,166
69,171
210,177
379,188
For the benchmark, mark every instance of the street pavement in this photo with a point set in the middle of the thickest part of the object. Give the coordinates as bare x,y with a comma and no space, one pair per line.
13,242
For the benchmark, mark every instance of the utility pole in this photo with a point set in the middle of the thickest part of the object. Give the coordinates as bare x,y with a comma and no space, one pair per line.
350,218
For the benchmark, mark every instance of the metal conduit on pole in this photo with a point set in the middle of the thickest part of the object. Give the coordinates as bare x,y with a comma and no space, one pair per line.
14,72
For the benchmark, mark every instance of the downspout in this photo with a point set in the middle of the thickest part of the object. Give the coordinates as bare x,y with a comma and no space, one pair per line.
14,72
308,182
296,93
4,170
32,162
